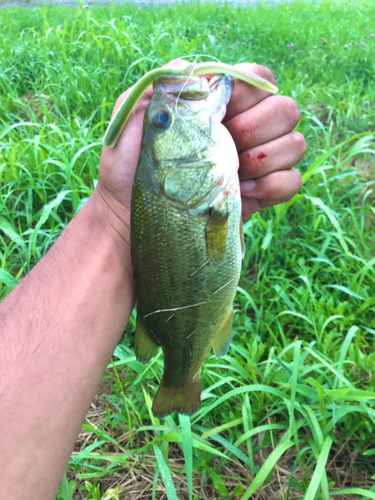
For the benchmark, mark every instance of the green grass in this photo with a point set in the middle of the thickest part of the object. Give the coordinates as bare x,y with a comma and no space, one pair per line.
289,412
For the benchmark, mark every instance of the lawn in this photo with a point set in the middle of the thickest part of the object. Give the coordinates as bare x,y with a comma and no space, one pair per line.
289,412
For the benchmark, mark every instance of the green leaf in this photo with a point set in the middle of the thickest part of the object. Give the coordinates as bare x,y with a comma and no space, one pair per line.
297,315
232,449
155,482
269,235
238,490
7,279
111,494
13,235
218,482
248,427
354,491
165,474
332,217
345,410
348,394
43,218
344,350
148,400
16,125
315,427
257,430
319,469
266,468
306,391
205,447
236,392
187,446
65,489
223,427
345,290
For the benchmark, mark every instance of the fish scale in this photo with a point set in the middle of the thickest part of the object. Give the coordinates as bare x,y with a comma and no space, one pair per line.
185,237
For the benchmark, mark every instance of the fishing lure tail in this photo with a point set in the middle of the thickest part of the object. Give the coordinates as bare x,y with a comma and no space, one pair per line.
186,399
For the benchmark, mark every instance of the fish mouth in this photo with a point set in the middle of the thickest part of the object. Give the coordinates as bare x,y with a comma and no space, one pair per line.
182,87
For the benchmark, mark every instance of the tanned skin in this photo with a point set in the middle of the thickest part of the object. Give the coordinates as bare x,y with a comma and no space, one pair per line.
61,324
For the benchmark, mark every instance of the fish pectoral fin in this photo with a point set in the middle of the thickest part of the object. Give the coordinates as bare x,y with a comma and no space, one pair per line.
145,344
216,233
221,341
185,399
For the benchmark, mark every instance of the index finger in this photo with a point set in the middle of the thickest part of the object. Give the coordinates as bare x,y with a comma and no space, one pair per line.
245,96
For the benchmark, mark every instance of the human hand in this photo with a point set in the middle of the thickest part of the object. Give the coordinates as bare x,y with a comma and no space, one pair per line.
118,165
262,128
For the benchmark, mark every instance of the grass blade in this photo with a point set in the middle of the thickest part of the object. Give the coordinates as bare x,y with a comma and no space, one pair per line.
65,490
354,491
319,469
266,468
165,474
7,279
187,446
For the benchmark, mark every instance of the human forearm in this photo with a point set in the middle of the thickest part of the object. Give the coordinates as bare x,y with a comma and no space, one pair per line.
58,330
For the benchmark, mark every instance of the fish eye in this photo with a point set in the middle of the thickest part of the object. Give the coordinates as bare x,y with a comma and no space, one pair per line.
162,119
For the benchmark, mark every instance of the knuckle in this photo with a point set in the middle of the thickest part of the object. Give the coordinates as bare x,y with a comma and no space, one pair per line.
300,144
251,160
297,182
270,188
266,73
290,109
282,185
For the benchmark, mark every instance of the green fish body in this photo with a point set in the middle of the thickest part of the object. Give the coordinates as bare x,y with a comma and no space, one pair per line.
186,234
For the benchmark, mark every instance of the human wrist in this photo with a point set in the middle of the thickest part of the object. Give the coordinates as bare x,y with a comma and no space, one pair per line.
114,218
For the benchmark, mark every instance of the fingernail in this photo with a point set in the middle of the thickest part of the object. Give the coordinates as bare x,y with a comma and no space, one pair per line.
247,186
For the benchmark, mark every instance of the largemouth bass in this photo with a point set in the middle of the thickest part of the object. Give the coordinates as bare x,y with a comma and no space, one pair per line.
186,234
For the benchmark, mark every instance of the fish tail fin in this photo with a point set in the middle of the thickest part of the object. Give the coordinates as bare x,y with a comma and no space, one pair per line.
145,345
185,399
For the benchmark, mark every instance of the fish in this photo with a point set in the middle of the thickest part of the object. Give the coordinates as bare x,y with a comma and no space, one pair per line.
186,234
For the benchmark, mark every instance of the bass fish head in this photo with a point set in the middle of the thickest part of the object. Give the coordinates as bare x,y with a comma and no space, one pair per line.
183,117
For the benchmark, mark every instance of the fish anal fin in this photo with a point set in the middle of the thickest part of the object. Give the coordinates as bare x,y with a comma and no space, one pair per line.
145,344
216,234
185,399
221,341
